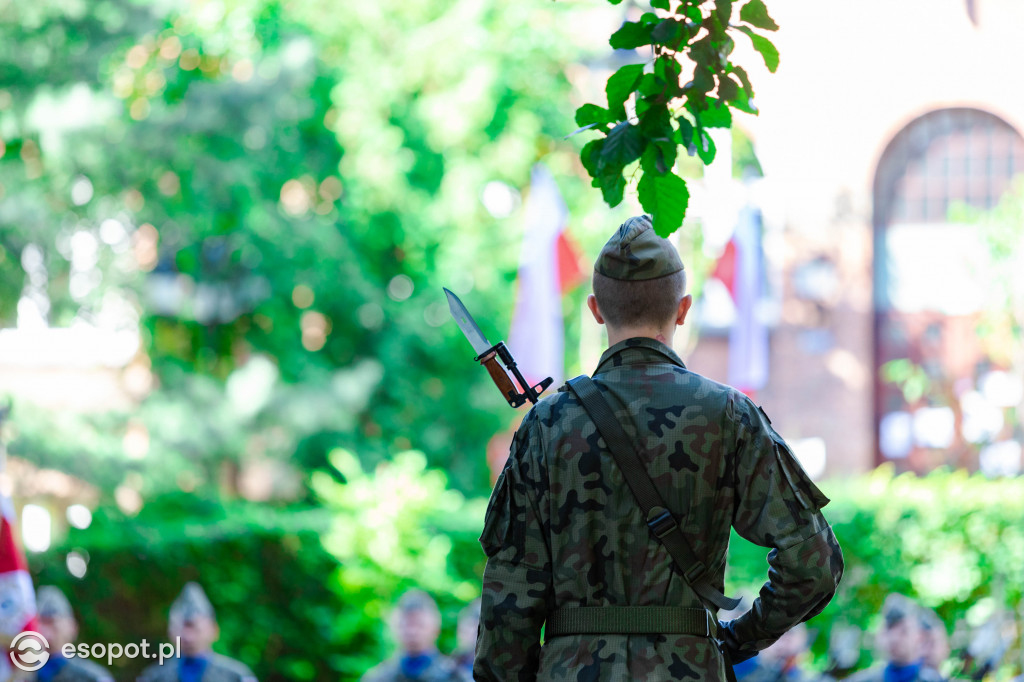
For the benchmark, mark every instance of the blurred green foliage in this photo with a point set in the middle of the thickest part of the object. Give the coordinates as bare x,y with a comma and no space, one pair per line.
305,593
265,571
300,593
286,182
953,542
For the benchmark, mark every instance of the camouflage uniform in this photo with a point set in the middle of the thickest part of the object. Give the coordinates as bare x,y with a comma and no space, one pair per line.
193,603
562,528
51,603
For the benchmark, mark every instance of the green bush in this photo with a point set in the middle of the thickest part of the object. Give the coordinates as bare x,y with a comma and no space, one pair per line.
397,528
953,542
265,571
303,594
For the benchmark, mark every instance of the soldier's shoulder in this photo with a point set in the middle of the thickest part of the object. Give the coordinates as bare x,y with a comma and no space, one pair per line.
553,404
705,382
82,670
229,670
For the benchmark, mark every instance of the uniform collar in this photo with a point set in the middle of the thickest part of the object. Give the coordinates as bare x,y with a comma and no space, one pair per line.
639,350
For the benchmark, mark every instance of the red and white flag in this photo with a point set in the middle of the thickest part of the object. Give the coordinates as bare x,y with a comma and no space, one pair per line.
741,269
548,267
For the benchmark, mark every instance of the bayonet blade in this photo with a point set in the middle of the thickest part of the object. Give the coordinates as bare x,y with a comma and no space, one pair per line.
467,324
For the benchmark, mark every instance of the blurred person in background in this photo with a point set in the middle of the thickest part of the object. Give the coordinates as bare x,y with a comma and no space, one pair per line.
56,623
416,624
936,641
781,661
465,635
193,620
902,643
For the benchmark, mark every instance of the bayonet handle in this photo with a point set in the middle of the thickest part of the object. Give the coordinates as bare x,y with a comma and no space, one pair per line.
501,379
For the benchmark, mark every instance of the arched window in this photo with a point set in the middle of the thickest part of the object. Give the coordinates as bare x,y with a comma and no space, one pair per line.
926,290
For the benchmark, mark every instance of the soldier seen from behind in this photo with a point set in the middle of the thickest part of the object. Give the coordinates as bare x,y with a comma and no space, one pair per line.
56,623
902,643
416,624
193,620
568,547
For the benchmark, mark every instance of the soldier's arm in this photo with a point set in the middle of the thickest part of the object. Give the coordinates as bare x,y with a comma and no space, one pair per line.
517,578
778,507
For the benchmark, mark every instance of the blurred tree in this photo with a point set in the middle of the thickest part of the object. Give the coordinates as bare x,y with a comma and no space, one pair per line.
276,192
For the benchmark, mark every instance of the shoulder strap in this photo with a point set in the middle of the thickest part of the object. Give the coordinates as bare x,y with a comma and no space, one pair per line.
659,519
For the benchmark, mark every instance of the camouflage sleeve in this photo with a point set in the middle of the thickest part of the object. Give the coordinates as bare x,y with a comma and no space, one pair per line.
778,507
517,578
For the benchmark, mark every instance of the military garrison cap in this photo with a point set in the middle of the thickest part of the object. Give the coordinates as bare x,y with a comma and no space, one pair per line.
635,252
896,608
191,603
51,603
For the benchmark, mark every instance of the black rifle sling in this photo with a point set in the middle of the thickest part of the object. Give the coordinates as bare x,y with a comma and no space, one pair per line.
659,518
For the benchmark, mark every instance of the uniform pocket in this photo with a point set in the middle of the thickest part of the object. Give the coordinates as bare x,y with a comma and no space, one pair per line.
807,494
498,519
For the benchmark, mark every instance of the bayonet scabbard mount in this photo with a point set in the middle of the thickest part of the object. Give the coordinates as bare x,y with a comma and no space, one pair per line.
489,359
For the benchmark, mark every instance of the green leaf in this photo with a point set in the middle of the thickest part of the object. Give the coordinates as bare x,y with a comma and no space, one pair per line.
590,156
649,85
667,151
620,86
724,10
745,104
756,14
717,115
660,4
666,32
727,88
632,35
623,145
685,131
591,113
665,197
705,147
702,80
613,186
768,51
667,69
692,12
656,122
744,78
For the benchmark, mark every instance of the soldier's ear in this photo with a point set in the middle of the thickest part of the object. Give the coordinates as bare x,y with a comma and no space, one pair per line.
592,304
684,308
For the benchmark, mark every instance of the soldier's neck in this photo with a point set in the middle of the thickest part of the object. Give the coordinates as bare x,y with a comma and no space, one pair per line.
616,335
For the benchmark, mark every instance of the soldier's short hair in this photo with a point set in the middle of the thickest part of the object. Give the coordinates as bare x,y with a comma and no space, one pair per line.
417,600
639,303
